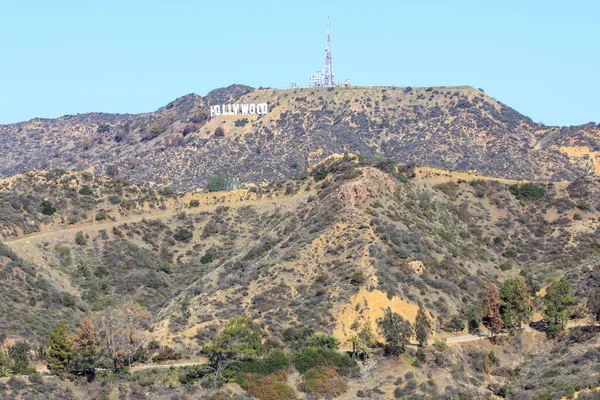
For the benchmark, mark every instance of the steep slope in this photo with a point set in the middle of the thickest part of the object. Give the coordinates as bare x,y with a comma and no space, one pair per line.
324,249
179,145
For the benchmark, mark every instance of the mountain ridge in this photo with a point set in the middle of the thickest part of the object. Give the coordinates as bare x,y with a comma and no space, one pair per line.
179,145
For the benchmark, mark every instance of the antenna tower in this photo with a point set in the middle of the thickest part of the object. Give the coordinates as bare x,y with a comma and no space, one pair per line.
328,77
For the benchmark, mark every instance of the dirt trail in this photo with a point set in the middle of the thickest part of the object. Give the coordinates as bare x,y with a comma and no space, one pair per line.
456,339
107,225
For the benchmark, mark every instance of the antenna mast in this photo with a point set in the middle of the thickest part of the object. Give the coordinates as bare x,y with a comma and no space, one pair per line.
328,77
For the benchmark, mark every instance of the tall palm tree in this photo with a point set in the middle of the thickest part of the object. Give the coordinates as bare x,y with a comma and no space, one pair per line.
356,342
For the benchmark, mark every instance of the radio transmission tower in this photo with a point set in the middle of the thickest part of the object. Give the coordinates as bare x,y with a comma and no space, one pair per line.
328,77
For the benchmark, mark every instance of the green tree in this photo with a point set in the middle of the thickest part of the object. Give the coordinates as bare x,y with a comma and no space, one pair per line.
19,354
492,318
396,331
593,302
366,334
61,349
515,308
422,327
558,300
239,338
355,341
48,208
474,321
326,341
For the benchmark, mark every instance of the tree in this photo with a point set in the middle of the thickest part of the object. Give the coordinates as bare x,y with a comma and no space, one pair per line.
48,208
19,354
422,327
396,331
593,302
491,310
60,351
240,337
473,321
85,352
355,341
326,341
515,308
366,334
557,302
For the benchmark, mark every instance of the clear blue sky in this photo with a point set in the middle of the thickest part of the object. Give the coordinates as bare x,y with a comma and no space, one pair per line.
68,57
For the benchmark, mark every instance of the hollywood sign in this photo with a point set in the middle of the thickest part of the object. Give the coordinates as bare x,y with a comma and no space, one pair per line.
235,109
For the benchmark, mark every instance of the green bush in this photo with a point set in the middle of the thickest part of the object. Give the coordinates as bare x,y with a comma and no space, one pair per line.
183,235
48,208
103,128
325,341
85,191
220,182
80,239
275,361
241,122
454,325
310,357
207,258
510,254
527,191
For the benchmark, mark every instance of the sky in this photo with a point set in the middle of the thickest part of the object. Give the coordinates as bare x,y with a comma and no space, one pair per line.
67,57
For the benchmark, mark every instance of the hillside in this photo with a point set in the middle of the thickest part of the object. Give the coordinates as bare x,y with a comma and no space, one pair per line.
326,249
301,250
458,128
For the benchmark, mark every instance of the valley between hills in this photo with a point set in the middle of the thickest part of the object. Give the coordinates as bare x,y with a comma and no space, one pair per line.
302,254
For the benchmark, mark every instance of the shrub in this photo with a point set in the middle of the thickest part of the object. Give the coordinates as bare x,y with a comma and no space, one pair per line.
527,191
449,188
275,361
440,345
320,173
219,182
183,235
241,122
207,258
16,384
454,325
310,357
165,354
103,128
114,199
272,387
80,239
325,341
194,203
323,382
35,378
165,267
219,132
357,278
48,208
101,215
85,190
